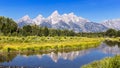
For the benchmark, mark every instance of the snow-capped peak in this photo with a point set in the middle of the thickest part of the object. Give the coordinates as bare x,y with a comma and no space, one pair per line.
55,13
39,16
25,18
55,17
71,17
38,19
113,23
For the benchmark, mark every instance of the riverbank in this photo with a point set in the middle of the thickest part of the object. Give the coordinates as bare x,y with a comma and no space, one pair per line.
109,62
113,62
117,39
35,43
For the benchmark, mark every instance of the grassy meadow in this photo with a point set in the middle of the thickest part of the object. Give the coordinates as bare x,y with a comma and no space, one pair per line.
36,43
113,62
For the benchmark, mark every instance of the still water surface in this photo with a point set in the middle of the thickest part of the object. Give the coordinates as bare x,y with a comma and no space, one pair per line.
70,59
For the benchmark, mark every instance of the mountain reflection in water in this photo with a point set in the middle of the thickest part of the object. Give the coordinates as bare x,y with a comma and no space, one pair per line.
71,59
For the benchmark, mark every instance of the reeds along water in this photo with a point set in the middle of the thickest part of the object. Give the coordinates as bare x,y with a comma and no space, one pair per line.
35,43
113,62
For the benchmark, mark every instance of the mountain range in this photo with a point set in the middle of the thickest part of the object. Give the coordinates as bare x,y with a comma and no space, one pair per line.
69,21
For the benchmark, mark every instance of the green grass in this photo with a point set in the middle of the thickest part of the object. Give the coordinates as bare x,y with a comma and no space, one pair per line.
35,43
113,62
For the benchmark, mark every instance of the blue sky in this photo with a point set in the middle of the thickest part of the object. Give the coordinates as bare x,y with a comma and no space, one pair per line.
94,10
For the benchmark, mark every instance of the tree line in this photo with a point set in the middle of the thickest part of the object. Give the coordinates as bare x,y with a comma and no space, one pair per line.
9,27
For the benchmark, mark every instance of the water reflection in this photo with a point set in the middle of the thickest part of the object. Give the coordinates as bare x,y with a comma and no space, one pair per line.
62,59
53,55
108,49
112,43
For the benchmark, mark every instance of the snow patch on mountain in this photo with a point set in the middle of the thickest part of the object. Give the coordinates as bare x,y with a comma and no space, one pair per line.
114,24
38,20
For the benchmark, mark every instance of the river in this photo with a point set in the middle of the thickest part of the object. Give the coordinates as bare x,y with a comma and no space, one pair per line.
64,59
